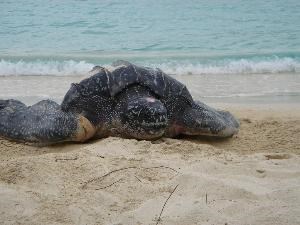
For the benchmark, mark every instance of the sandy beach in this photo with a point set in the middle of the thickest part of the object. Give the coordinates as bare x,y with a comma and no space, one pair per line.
252,178
241,56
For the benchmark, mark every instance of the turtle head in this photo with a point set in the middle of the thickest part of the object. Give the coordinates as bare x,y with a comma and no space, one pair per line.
144,118
200,119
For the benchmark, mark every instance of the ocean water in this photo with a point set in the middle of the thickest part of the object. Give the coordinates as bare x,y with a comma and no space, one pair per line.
253,44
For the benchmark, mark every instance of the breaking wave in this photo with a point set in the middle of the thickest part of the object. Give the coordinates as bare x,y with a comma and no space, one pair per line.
58,68
242,66
237,66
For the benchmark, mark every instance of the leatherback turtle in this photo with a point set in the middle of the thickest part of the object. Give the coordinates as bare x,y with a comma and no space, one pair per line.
143,103
126,100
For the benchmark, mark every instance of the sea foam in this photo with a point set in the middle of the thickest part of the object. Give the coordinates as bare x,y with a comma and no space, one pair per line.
241,66
237,66
58,68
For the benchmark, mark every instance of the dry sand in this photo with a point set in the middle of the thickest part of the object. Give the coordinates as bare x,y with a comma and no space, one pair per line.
252,178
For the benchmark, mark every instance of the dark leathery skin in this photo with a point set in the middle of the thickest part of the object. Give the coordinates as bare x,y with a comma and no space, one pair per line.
43,122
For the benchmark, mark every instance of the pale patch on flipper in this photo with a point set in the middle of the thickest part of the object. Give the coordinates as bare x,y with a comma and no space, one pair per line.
85,130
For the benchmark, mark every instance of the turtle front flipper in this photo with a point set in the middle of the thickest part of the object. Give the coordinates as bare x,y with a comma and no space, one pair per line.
200,119
43,123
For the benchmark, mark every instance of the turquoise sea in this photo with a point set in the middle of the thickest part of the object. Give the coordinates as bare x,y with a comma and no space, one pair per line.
215,40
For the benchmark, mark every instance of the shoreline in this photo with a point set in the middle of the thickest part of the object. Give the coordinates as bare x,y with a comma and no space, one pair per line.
237,90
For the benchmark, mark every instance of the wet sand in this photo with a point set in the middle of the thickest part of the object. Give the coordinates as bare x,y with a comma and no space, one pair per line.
224,88
252,178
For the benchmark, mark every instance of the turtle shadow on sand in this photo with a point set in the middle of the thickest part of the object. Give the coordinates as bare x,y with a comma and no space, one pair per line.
127,101
205,139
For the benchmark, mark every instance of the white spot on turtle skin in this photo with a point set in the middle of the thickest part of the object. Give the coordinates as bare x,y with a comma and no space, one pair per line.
149,99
